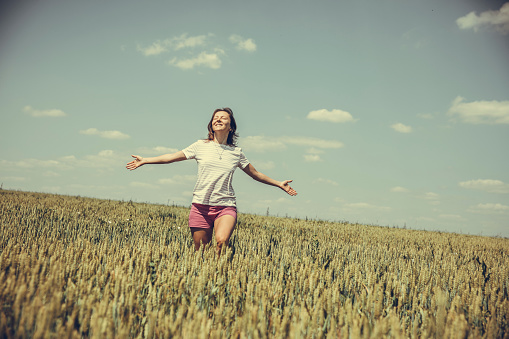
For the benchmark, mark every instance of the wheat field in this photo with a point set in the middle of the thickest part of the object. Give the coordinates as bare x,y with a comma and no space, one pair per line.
74,267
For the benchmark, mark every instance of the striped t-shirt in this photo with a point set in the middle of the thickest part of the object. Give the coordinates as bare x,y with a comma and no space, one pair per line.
216,164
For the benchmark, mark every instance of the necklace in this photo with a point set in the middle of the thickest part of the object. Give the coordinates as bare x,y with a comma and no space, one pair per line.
220,154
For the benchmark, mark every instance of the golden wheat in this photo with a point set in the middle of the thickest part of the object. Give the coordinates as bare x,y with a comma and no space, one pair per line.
80,267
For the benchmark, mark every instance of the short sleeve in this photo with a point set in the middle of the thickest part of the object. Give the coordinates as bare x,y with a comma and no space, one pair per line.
243,162
191,150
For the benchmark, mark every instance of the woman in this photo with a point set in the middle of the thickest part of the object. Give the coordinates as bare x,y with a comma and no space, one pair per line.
214,204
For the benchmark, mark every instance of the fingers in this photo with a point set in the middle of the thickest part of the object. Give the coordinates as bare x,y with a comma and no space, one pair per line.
288,189
134,164
291,192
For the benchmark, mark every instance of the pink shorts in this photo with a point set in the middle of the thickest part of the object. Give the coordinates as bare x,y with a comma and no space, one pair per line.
203,216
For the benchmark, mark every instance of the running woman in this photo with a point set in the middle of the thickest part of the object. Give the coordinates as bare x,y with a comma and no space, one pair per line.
214,203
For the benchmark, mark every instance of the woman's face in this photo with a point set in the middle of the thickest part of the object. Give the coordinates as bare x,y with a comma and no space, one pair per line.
221,121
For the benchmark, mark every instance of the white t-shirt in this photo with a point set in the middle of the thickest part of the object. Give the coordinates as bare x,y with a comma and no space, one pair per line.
216,164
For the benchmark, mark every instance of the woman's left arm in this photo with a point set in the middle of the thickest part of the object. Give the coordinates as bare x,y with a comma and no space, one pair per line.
258,176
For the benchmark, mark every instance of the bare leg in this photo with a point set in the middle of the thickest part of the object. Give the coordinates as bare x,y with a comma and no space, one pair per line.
201,235
223,227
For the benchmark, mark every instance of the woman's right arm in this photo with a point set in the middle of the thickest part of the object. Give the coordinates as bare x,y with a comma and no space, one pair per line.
162,159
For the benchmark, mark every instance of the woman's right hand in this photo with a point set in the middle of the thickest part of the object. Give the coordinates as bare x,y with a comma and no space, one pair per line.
137,162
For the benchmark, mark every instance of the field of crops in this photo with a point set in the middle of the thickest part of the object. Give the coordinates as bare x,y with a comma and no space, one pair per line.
80,267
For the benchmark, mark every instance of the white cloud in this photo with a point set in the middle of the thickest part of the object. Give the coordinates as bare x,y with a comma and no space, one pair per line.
204,59
487,185
138,184
106,153
433,198
158,150
366,206
312,142
13,178
399,127
243,44
175,43
29,163
178,179
200,50
335,115
105,160
262,143
264,165
451,216
312,158
314,150
480,112
498,19
185,42
105,134
325,181
156,48
53,113
490,208
399,189
268,201
426,116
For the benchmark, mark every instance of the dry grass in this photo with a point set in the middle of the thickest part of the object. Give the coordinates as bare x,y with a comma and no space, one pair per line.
80,267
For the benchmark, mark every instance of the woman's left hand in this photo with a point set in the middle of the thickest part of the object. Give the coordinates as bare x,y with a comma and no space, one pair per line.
285,187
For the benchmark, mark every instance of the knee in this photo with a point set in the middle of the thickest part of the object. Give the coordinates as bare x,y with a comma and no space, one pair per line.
221,241
200,240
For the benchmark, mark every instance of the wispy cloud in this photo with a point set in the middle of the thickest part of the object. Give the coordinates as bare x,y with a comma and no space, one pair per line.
173,44
498,19
262,143
312,158
335,115
487,185
105,134
451,217
480,112
29,163
178,179
204,59
52,113
325,181
158,150
365,206
138,184
490,208
13,178
184,41
433,198
156,48
105,159
312,142
243,44
399,189
264,165
399,127
258,143
200,51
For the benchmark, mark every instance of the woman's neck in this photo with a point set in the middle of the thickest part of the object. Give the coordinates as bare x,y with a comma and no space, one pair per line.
220,138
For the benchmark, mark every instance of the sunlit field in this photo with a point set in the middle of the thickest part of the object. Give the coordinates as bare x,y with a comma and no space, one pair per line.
74,267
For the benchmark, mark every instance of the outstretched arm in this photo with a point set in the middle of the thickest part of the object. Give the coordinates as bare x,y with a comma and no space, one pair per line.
162,159
258,176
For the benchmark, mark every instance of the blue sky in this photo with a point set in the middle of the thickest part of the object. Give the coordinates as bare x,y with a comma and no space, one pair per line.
392,112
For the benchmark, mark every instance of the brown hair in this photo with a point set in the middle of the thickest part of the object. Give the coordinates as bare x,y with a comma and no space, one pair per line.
232,135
